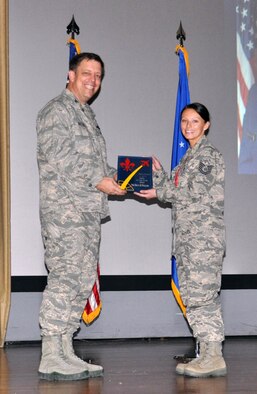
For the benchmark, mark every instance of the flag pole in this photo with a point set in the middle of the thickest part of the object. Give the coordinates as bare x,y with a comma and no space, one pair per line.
93,305
73,29
180,145
181,35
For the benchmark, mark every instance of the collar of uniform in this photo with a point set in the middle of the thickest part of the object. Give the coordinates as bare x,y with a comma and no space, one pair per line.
71,96
199,143
191,151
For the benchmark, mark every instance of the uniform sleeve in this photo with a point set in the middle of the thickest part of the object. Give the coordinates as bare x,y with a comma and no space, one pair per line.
203,177
111,171
62,155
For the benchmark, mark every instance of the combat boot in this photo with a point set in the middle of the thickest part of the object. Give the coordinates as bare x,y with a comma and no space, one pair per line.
54,366
180,368
68,350
212,363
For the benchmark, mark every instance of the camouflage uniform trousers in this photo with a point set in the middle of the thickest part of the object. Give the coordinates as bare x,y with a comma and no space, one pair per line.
72,241
199,273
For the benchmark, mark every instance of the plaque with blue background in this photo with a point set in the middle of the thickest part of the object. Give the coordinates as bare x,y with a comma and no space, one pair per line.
135,173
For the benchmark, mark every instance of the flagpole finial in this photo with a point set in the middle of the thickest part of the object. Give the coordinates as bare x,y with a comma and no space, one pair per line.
181,35
72,28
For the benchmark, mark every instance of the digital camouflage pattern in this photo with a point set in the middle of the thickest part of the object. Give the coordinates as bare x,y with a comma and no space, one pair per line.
72,241
72,160
196,191
71,154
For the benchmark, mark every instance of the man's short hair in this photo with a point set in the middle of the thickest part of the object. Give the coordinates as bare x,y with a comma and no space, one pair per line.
77,59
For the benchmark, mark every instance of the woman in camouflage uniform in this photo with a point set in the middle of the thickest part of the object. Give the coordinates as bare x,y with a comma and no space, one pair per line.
196,191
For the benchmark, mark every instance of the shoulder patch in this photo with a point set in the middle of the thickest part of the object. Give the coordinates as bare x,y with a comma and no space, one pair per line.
204,168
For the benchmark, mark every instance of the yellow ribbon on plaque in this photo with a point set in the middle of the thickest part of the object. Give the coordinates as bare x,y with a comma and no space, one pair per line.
126,181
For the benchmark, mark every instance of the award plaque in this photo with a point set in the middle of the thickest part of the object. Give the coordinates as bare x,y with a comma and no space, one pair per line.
135,173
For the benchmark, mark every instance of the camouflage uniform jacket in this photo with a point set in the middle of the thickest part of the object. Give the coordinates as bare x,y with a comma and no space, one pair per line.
196,191
71,155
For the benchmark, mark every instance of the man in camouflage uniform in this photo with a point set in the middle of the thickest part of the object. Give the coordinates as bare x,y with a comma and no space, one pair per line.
75,180
196,191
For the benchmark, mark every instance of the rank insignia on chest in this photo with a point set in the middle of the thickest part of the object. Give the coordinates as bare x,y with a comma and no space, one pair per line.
205,169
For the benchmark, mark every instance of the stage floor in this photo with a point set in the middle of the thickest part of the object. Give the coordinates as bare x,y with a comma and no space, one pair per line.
138,366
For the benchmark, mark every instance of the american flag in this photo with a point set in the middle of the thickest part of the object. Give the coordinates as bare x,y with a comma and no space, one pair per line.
246,18
94,304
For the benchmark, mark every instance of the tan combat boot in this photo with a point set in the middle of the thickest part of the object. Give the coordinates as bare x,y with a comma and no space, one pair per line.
180,368
68,350
212,363
54,366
